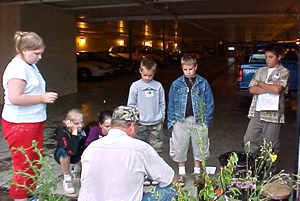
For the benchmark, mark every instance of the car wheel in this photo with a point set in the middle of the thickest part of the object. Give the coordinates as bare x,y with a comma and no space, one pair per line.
84,74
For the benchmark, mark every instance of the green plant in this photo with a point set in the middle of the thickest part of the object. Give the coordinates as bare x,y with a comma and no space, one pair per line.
44,179
232,182
183,194
246,183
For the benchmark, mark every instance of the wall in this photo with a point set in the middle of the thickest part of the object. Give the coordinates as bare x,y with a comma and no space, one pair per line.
9,23
57,28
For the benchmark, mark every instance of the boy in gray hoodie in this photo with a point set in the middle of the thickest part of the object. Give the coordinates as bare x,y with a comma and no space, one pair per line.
149,97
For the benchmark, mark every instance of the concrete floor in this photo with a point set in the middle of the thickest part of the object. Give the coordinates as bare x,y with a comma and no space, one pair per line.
226,132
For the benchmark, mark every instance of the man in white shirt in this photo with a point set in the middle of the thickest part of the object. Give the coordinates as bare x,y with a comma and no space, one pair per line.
114,167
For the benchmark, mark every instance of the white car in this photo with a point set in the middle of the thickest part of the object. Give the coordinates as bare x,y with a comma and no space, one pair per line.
88,68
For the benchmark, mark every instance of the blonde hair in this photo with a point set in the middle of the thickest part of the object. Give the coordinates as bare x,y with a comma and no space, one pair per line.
71,114
28,41
148,63
188,59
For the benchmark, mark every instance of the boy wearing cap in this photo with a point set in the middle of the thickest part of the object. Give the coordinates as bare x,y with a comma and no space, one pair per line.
119,175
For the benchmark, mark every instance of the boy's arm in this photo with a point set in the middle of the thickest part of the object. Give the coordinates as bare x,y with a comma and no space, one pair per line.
73,147
209,104
257,86
257,90
171,112
61,138
254,87
132,97
262,88
162,102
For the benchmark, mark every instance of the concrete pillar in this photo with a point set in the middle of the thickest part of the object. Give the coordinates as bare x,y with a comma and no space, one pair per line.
9,23
57,28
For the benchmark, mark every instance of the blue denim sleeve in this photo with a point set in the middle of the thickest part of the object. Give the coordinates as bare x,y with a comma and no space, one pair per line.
171,115
209,103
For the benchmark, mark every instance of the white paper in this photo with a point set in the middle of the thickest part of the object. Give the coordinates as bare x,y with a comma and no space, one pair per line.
267,101
211,170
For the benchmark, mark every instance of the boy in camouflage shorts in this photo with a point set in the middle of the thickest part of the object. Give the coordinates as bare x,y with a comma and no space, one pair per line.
148,96
152,134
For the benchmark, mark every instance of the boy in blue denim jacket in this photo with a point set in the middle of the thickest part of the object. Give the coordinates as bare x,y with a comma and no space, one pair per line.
190,110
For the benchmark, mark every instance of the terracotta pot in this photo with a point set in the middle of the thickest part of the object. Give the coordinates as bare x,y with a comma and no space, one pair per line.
277,191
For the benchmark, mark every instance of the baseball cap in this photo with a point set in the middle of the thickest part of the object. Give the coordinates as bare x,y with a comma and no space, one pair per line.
126,113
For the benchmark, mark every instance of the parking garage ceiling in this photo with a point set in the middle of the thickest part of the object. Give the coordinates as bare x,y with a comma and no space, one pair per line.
236,20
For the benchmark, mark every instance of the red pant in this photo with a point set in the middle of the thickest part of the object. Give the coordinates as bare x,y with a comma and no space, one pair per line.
22,135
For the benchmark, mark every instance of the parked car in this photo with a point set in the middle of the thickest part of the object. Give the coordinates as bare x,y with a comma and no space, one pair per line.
120,64
256,59
162,58
123,51
88,66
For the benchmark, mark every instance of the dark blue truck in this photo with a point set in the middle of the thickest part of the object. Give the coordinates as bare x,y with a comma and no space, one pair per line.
257,59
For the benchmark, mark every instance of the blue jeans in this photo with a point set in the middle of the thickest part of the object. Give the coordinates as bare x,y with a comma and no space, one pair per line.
167,193
61,152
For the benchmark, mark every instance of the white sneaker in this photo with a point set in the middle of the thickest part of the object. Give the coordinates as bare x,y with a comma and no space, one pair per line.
147,181
68,187
154,183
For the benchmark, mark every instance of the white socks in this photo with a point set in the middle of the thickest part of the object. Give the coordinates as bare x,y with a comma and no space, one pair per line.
197,170
181,170
67,177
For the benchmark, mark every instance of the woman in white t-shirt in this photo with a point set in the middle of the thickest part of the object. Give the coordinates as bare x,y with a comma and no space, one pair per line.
24,111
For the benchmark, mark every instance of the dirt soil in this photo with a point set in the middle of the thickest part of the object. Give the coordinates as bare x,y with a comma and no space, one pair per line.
4,194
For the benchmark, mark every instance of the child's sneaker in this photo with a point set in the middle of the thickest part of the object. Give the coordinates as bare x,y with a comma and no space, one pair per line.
154,183
68,187
147,181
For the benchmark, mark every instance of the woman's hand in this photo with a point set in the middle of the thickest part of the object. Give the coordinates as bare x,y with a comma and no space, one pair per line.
49,97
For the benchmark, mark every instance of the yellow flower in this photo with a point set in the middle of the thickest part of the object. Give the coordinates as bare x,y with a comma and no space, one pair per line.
273,157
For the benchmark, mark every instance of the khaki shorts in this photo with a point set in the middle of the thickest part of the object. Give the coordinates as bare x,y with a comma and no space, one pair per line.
183,132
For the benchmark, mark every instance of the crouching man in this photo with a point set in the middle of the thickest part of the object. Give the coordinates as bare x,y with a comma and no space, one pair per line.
114,167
